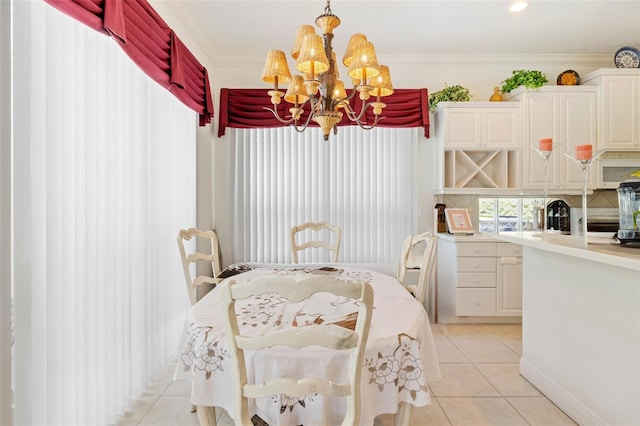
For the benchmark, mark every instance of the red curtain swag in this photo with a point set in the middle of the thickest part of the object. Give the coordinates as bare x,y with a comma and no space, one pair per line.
244,108
151,44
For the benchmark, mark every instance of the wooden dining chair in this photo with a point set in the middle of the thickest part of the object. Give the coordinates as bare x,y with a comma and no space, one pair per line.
190,261
331,336
320,229
426,264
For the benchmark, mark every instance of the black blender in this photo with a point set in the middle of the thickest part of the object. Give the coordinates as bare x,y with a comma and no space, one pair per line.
629,207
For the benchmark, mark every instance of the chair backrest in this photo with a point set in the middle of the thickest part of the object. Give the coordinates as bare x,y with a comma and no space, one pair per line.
411,255
190,261
422,289
426,263
317,227
331,336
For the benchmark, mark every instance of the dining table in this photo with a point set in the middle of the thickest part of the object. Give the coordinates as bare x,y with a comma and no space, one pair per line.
400,356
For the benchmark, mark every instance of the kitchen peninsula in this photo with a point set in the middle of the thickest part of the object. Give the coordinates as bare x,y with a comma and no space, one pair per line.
581,325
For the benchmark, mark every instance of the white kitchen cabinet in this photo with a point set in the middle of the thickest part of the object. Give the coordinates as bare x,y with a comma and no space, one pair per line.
568,115
478,125
473,286
618,107
477,146
508,279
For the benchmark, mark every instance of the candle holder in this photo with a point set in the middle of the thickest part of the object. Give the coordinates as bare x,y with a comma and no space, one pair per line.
584,168
545,159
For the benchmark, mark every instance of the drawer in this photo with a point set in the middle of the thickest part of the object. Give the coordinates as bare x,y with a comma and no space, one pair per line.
476,249
508,250
476,302
476,279
476,264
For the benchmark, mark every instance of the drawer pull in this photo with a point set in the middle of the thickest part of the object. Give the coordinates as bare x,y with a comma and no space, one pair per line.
477,303
476,280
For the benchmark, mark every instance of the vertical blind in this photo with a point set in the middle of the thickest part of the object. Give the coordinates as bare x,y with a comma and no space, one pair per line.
363,181
5,213
103,179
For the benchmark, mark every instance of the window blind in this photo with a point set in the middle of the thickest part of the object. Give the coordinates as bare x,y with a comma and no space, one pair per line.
102,182
363,181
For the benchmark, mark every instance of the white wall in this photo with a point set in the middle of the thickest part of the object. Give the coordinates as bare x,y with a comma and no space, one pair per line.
478,73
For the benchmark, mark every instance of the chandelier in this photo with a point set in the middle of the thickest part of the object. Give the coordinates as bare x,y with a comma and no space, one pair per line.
319,88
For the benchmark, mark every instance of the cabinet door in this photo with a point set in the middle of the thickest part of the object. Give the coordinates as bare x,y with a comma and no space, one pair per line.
621,112
540,122
568,118
500,128
578,127
509,286
462,128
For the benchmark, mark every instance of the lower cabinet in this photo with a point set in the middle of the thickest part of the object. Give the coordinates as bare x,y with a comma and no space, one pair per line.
509,279
479,280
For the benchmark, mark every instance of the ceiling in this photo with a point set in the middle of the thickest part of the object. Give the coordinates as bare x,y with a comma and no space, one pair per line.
239,31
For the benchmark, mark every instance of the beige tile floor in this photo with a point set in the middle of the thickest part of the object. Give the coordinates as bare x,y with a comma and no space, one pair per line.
480,386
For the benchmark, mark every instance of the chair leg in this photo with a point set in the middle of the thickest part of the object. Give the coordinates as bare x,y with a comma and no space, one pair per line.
206,415
403,416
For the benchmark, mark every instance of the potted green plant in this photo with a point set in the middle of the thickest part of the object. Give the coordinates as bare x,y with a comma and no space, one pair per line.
531,79
455,93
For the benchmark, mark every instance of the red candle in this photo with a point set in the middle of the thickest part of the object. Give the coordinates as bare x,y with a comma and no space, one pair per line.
546,145
584,152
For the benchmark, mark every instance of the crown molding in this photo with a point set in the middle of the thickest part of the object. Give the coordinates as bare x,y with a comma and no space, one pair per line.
440,60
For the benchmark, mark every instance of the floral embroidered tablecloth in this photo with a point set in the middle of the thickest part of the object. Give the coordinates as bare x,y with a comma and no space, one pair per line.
400,357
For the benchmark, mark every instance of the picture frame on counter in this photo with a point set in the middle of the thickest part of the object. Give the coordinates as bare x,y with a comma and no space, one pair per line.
458,221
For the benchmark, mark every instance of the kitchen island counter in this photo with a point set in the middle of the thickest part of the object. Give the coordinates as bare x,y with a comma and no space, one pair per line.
581,325
601,247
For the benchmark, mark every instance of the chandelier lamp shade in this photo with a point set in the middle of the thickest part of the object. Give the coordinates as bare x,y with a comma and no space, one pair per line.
318,89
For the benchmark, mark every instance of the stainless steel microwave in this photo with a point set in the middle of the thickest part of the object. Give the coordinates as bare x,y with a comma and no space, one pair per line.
615,167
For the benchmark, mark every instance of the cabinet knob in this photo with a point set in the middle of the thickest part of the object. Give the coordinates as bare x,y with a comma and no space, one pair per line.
477,303
476,280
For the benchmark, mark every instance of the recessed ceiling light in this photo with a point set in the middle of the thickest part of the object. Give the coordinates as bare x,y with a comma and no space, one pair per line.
518,6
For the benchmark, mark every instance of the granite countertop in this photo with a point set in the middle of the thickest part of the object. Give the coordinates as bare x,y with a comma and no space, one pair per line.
601,247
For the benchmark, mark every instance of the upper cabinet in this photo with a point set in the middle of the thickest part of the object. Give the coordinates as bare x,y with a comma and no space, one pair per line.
618,107
568,115
486,147
477,145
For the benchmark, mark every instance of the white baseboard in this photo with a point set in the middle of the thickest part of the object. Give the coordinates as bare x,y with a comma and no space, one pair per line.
579,413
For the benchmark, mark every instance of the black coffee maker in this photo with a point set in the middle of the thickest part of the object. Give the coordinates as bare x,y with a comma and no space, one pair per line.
558,218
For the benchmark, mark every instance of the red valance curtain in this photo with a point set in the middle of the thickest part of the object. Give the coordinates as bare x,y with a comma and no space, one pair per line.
244,108
151,44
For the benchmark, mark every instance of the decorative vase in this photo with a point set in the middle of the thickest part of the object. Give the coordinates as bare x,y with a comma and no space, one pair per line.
497,96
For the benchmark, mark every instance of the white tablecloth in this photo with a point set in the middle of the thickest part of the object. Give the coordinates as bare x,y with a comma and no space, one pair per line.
400,356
